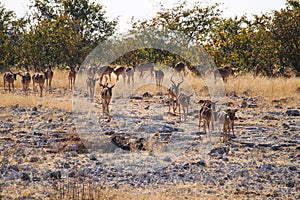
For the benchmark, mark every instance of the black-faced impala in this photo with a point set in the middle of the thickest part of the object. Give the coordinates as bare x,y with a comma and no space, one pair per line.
38,78
130,74
25,80
180,67
106,94
206,114
91,83
224,72
173,93
147,67
103,71
120,71
184,102
72,77
48,77
91,71
9,77
227,118
159,77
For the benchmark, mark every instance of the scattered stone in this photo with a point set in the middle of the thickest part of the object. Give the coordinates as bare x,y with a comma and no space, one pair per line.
252,105
292,112
55,175
201,163
13,167
225,158
270,117
38,133
34,159
219,151
276,147
167,159
292,168
298,90
25,177
285,126
268,166
147,94
135,97
290,184
35,109
73,147
93,157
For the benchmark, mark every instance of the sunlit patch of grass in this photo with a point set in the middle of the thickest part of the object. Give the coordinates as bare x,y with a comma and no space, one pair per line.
10,99
264,86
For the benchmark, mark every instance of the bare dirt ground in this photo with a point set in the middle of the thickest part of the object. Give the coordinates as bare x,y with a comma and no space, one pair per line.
51,150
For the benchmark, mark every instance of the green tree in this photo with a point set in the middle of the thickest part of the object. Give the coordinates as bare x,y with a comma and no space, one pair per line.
285,28
63,32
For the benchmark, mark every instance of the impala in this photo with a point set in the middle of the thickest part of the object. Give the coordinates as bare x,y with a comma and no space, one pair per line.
72,77
173,93
9,77
159,77
106,94
40,79
224,72
25,80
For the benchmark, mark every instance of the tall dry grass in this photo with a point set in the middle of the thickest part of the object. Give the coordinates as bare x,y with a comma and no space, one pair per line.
273,88
264,86
60,79
60,97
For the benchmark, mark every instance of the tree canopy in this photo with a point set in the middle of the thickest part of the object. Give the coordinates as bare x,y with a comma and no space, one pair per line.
64,32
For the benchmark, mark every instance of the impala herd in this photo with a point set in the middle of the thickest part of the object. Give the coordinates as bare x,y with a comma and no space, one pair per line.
176,99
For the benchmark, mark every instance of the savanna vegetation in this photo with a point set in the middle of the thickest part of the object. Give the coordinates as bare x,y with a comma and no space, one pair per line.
61,33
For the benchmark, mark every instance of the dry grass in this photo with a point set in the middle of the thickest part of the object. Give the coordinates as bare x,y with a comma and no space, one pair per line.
273,88
264,87
60,97
34,100
75,189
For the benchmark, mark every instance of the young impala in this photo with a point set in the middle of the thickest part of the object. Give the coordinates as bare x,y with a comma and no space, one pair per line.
91,83
159,77
106,94
184,102
206,114
227,118
72,77
48,77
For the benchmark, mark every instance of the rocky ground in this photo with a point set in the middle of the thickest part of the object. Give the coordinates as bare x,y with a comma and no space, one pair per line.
41,148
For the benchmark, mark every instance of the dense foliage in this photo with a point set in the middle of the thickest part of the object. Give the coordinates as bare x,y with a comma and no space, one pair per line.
269,43
63,32
56,33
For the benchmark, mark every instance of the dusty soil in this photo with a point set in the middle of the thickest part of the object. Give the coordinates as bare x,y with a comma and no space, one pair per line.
41,147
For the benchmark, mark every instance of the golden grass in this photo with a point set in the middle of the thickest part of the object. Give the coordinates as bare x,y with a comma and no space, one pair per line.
264,86
49,100
34,100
